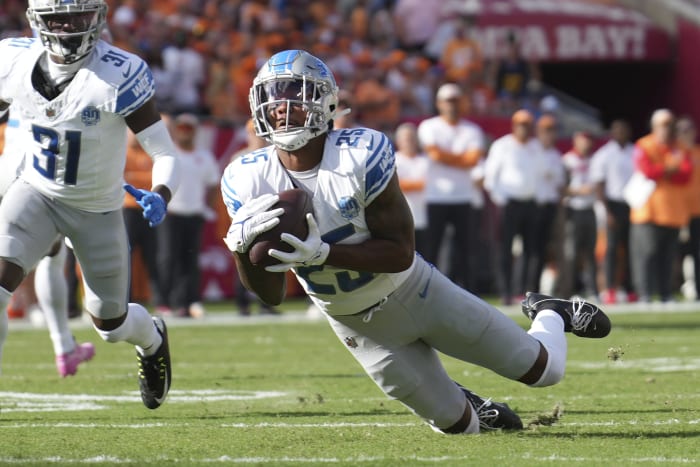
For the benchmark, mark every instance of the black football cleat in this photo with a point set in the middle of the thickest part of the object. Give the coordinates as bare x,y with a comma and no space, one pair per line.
492,415
154,370
580,317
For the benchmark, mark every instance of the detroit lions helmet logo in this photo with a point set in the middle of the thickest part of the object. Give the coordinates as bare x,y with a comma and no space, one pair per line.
349,207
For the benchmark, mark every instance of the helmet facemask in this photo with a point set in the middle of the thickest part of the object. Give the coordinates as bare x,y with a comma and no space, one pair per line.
69,31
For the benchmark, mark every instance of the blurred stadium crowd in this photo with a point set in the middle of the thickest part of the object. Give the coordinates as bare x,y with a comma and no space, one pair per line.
392,60
391,55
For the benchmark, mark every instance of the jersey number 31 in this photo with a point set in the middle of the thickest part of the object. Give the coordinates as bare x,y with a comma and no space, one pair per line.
50,142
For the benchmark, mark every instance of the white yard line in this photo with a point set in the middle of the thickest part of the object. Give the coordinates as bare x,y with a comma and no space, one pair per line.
299,316
138,426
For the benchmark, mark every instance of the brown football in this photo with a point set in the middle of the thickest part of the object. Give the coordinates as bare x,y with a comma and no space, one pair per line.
296,203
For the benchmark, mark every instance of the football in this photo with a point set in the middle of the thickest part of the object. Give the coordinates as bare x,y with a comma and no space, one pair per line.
296,203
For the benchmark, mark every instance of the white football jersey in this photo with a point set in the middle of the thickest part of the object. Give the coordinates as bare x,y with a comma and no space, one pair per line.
356,167
78,149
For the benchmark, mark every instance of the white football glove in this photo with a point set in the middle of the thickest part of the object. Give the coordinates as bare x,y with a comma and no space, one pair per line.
310,252
252,219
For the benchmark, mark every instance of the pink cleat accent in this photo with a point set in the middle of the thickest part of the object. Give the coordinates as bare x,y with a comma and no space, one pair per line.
67,364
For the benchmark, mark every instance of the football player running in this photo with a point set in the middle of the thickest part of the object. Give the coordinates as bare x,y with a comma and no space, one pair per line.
49,280
392,309
76,95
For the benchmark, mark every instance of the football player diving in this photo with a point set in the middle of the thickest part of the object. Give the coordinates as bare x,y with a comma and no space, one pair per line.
392,309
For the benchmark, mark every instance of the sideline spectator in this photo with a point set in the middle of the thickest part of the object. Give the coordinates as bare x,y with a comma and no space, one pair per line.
186,69
580,228
686,133
416,21
137,172
513,73
461,56
548,195
454,146
511,174
656,224
412,168
611,168
180,234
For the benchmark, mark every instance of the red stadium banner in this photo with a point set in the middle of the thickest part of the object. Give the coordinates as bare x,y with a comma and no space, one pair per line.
569,30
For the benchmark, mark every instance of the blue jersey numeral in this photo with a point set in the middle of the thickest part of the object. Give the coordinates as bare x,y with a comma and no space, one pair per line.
116,58
344,280
349,137
254,157
50,140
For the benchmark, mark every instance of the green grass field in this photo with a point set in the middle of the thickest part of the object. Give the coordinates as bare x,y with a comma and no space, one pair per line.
291,394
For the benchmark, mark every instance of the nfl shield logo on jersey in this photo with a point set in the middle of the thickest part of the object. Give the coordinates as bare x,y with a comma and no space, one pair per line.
349,207
90,116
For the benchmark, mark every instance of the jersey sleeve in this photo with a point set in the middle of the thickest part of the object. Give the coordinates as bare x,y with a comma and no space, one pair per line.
233,199
10,51
137,87
380,165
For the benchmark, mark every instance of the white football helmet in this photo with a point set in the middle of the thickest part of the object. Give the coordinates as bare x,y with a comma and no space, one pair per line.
293,78
85,20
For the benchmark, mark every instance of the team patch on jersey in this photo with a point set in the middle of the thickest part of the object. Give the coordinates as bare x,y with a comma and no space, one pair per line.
90,116
349,207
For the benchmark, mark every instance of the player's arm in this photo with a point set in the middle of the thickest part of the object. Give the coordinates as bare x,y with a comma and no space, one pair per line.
4,107
154,137
248,220
392,245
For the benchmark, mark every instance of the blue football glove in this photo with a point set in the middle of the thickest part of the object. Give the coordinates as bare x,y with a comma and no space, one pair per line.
153,204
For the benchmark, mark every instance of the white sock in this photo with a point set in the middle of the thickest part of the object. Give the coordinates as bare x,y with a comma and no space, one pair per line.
473,427
137,329
548,328
4,300
52,294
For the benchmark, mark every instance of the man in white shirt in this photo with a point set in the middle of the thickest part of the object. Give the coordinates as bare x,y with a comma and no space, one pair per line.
511,176
548,194
454,146
180,234
186,69
580,231
412,168
611,168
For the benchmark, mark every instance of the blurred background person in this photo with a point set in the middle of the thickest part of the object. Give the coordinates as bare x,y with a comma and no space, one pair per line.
244,298
461,57
611,168
180,233
412,168
548,195
657,222
513,74
454,146
142,238
511,174
186,72
579,269
686,134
